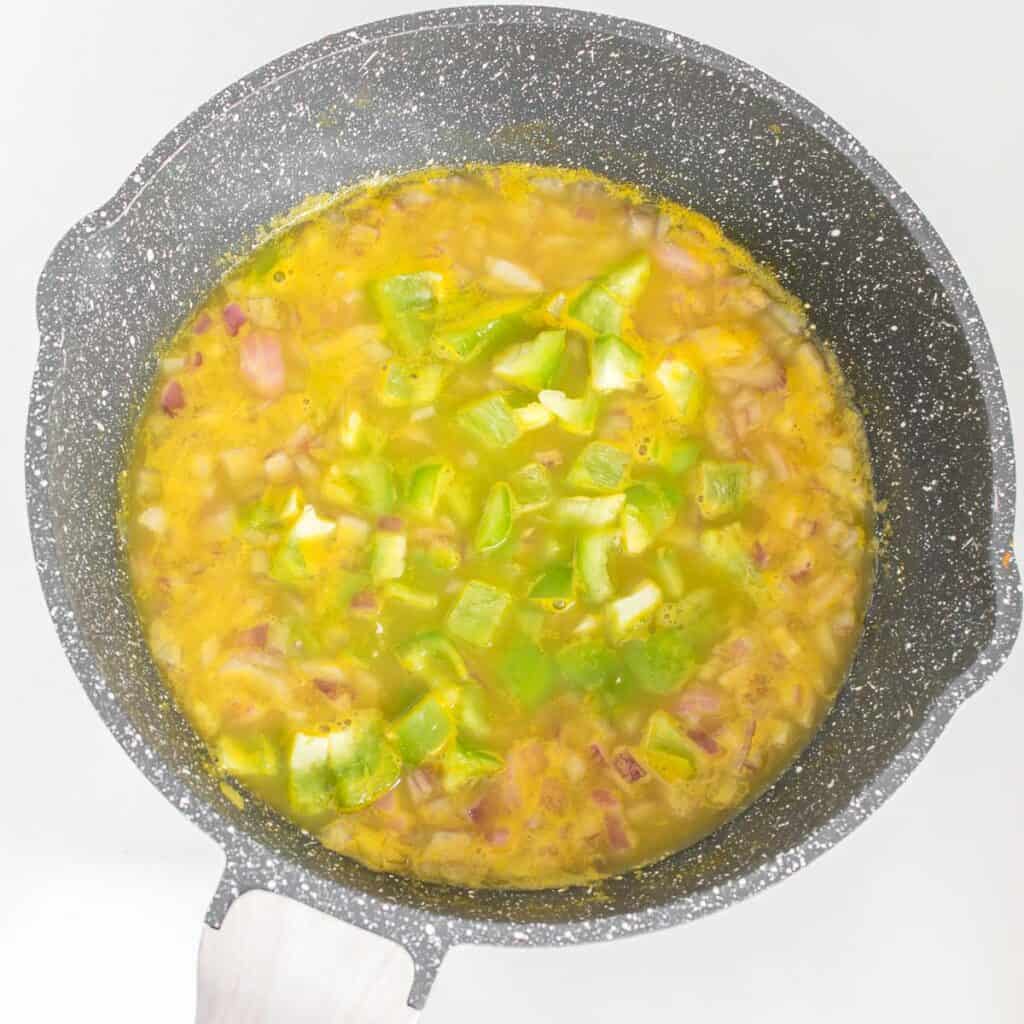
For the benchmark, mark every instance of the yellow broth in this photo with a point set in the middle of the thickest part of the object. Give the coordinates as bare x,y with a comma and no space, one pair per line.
500,526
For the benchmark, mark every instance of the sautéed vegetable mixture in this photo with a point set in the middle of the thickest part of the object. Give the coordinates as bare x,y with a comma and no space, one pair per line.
500,527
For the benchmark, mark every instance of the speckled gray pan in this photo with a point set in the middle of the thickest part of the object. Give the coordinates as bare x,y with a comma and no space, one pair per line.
640,105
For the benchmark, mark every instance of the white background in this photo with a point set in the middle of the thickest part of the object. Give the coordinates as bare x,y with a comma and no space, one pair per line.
918,916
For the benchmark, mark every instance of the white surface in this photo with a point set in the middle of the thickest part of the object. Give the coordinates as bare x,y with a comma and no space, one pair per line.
918,916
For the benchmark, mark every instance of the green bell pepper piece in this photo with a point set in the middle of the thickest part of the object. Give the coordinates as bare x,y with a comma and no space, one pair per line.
460,500
614,366
427,483
532,365
555,588
599,467
698,615
648,511
677,457
387,558
532,416
423,730
277,507
464,765
530,622
420,599
243,756
496,519
669,571
722,488
666,750
577,415
433,658
472,711
490,421
684,387
662,662
580,511
374,479
406,304
469,341
728,548
602,305
288,564
477,613
362,760
310,780
531,487
587,665
527,674
591,561
410,384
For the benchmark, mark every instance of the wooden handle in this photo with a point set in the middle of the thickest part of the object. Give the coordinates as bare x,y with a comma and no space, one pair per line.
276,961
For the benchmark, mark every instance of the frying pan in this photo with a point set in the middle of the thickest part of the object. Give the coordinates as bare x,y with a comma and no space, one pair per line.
637,104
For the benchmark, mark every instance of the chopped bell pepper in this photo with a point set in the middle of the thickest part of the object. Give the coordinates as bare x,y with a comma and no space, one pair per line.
433,658
669,571
460,500
614,365
587,665
722,488
248,755
530,622
423,730
288,564
555,588
363,762
490,421
300,554
679,456
477,613
532,416
421,599
410,384
728,548
277,507
698,615
406,304
471,710
532,365
577,415
661,662
580,511
602,304
464,765
527,674
599,467
591,561
466,342
496,519
310,781
666,750
531,487
374,480
684,387
387,559
648,511
627,613
427,483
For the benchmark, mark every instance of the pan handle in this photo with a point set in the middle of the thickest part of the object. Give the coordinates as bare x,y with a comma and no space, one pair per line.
275,960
